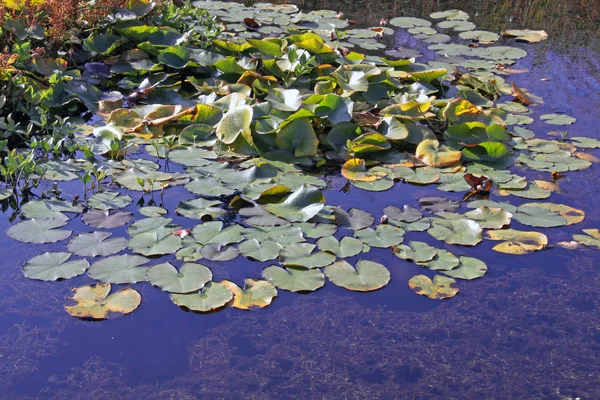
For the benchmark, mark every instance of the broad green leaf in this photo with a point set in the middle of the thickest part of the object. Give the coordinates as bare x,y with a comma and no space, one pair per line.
54,266
367,276
294,279
96,244
383,236
211,297
235,122
190,277
39,231
469,268
119,269
300,206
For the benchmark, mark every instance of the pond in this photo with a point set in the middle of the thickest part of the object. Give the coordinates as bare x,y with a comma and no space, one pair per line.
530,328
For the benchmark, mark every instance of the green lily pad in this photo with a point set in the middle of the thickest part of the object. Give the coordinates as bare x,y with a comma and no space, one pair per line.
421,176
54,266
355,219
109,201
200,209
418,252
558,119
383,236
39,231
469,268
119,269
463,231
294,279
490,218
151,211
440,287
96,244
301,255
190,277
531,215
443,261
255,250
347,247
406,214
300,206
367,276
211,297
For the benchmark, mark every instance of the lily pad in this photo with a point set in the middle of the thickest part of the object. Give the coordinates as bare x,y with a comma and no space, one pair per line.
300,206
54,266
294,279
517,242
465,232
346,247
211,297
490,218
440,287
591,238
255,250
96,244
94,302
254,295
119,269
104,219
443,261
301,255
367,276
418,252
558,119
109,201
190,277
39,231
469,268
383,236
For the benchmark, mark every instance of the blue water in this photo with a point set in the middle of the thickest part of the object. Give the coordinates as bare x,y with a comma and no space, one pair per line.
529,329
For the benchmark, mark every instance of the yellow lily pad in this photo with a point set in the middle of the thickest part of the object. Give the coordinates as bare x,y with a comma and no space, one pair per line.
254,295
441,287
94,302
517,242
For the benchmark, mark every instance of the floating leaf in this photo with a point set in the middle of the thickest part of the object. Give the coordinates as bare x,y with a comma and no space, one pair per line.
526,35
418,252
517,242
532,215
54,266
407,214
103,219
256,294
109,201
469,268
211,297
200,209
438,204
347,247
420,176
39,231
383,236
490,218
463,231
294,279
255,250
354,219
558,119
96,244
301,255
440,288
235,122
151,211
300,206
443,261
119,269
93,302
190,277
366,277
427,151
355,170
592,239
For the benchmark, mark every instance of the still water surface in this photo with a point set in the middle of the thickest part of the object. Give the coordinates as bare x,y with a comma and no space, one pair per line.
529,329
